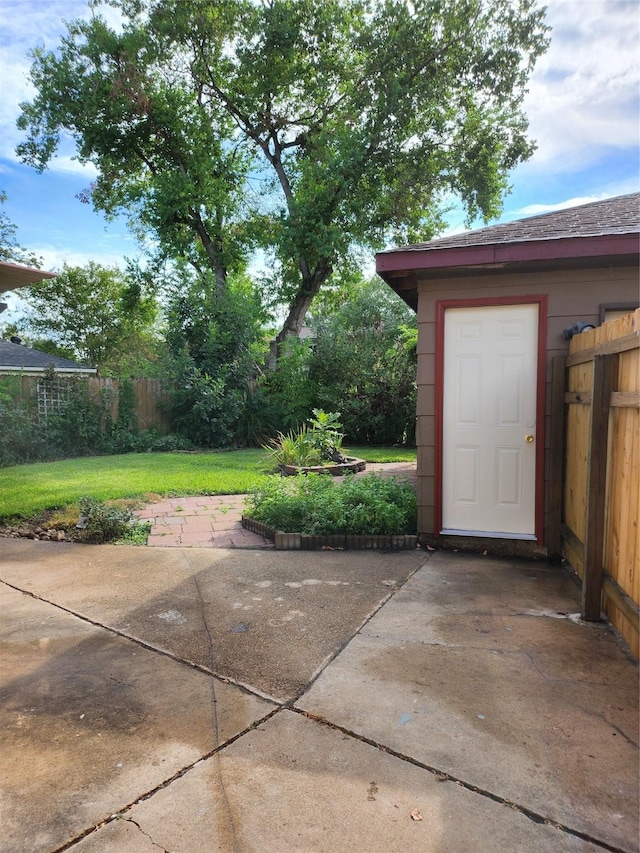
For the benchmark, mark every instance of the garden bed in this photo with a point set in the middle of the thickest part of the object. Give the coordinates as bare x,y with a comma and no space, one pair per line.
335,542
336,469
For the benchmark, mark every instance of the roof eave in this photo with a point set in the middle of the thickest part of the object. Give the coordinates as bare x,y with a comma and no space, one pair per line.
13,276
515,252
36,371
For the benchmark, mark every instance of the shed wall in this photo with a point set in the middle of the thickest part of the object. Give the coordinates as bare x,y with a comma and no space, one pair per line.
572,295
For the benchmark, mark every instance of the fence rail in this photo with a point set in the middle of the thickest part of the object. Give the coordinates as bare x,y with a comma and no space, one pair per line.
597,418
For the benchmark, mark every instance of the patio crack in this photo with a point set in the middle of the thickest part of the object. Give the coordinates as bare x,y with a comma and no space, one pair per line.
226,679
443,776
146,834
147,795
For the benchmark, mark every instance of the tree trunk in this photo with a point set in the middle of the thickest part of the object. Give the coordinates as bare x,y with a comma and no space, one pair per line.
213,256
311,284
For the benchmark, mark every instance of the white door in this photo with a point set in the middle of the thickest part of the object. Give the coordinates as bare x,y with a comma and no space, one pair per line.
489,427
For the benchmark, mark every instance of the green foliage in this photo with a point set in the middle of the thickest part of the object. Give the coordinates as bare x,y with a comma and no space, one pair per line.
289,389
315,443
107,523
78,422
10,249
103,523
294,448
356,117
364,360
215,341
324,431
315,504
101,316
21,441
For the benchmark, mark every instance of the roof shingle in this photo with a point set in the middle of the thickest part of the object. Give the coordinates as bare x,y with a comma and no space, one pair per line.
620,215
19,357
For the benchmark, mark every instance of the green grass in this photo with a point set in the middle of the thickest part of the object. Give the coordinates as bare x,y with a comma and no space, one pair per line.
27,490
382,454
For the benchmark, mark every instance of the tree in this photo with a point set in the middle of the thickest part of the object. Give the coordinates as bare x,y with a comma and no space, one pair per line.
355,117
10,249
214,341
363,364
100,315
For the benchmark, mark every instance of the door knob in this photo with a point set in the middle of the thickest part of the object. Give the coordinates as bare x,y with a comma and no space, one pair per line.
528,439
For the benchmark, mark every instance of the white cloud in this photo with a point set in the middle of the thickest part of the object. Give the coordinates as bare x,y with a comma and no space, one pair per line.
537,209
25,25
583,96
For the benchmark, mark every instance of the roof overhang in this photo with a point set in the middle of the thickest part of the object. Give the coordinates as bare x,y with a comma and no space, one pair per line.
40,371
402,268
13,276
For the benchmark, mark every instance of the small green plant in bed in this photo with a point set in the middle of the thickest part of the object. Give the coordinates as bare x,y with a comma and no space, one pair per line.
317,442
314,504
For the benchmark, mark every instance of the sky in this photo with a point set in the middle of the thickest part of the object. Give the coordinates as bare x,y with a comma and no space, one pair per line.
582,107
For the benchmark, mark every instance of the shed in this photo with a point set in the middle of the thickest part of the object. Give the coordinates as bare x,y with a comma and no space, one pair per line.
494,306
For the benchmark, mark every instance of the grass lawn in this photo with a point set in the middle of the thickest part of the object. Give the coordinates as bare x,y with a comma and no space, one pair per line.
26,490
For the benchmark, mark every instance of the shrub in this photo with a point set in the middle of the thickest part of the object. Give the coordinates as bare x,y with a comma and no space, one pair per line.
313,444
294,448
105,522
316,504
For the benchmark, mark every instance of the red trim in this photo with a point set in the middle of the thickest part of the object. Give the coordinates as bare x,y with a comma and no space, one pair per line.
561,248
485,302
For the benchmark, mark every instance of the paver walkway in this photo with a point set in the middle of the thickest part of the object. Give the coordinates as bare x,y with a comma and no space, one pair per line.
214,521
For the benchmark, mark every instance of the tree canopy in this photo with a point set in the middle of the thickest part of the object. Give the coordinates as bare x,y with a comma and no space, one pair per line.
100,315
10,249
312,129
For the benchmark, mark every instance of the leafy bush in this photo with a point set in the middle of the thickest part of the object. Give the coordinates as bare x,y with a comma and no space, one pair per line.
314,443
289,390
214,341
316,504
21,439
108,522
364,359
294,448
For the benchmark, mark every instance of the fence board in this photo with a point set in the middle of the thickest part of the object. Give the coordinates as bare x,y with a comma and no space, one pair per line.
614,551
151,399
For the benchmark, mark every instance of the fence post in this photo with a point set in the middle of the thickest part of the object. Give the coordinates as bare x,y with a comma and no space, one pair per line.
596,488
556,459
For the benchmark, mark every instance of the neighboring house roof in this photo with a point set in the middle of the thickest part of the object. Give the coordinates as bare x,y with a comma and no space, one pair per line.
16,358
13,276
601,233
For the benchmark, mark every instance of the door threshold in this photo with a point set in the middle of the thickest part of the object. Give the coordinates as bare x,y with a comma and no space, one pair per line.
489,534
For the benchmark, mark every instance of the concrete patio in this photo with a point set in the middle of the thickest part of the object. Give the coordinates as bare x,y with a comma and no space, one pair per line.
191,699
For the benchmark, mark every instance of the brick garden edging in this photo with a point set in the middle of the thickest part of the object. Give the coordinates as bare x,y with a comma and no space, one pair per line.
338,541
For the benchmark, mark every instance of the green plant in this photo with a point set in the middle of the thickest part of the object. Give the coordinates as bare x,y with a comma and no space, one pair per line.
314,443
325,435
294,448
101,522
314,504
135,534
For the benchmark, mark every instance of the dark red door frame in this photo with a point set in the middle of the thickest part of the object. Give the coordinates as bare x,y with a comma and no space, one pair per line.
485,302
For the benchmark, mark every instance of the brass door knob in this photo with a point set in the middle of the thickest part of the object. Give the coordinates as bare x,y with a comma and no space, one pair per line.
528,439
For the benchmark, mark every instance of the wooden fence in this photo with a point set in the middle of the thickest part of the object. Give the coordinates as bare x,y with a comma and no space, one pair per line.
151,399
596,417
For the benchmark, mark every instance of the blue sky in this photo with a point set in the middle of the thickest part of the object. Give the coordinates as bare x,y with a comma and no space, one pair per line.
582,106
